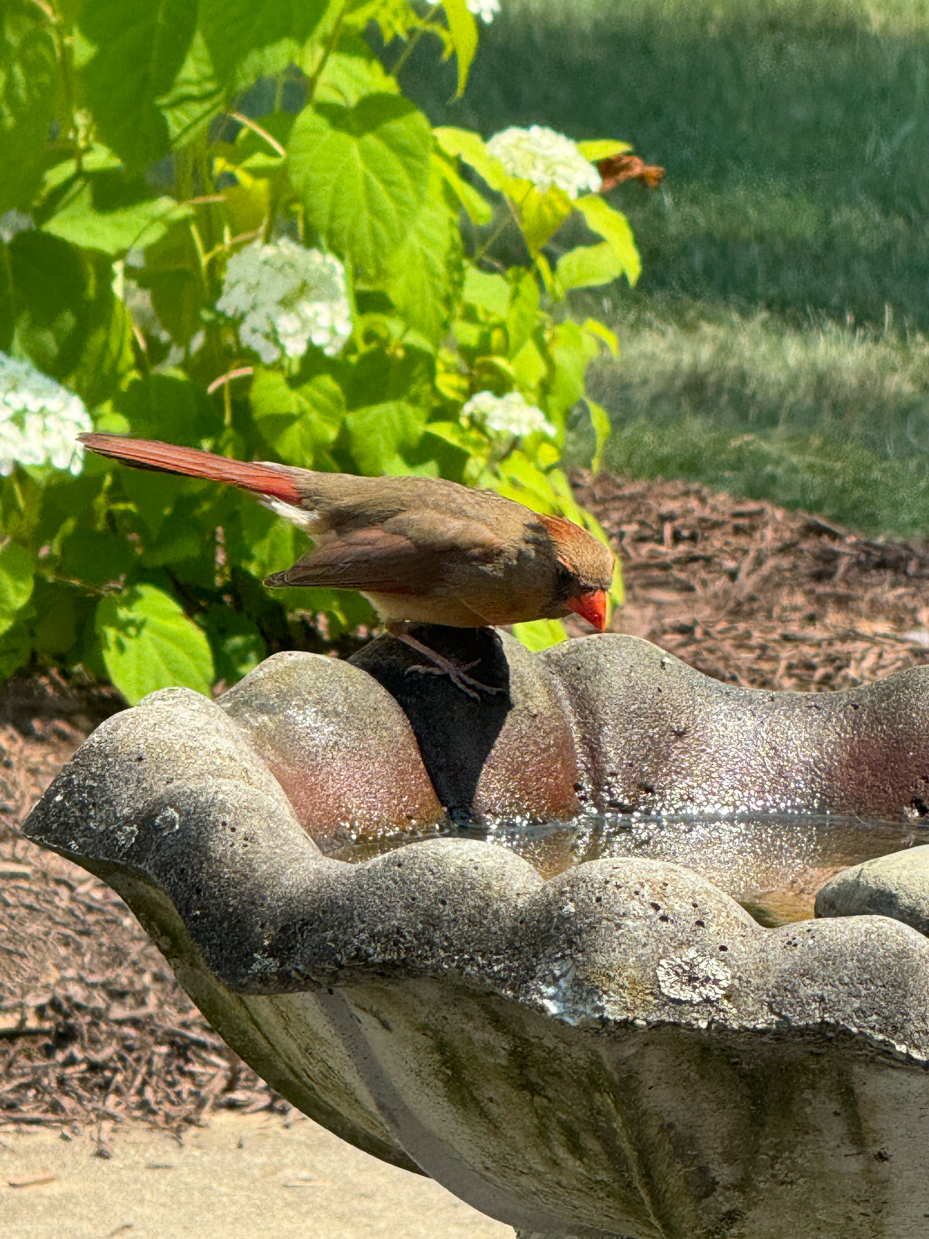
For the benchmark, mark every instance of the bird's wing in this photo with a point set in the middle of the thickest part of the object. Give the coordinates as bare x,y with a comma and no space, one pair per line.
409,554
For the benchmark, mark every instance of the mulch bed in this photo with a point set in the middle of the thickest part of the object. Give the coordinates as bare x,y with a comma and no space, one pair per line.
94,1030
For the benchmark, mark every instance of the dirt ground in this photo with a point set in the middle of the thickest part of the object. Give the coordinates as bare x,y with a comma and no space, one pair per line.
94,1031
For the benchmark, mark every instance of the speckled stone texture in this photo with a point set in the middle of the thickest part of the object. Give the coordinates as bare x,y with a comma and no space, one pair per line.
620,1050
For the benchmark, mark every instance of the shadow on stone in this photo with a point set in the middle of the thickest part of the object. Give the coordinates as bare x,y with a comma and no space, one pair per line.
455,733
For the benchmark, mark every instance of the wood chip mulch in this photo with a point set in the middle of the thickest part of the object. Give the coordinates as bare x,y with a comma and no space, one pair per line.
94,1030
755,595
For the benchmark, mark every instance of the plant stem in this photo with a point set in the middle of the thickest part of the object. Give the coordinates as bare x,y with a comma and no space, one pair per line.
508,218
328,49
414,39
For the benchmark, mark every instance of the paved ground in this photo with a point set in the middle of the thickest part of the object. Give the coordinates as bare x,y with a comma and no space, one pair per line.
241,1178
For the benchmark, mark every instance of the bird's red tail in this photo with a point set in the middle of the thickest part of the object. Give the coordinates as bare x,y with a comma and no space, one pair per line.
262,478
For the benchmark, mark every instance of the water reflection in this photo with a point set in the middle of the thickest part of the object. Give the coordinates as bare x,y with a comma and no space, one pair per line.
773,864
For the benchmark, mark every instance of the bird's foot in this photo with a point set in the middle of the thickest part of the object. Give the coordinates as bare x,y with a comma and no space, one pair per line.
440,665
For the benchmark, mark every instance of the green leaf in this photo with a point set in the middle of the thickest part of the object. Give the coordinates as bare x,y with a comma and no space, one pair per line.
351,72
67,320
523,314
88,212
463,30
172,275
476,205
379,434
167,405
260,542
614,228
149,643
362,172
425,274
602,427
490,293
571,351
469,146
195,96
29,88
96,556
237,645
541,215
16,581
540,634
602,148
15,650
248,38
141,46
589,265
299,422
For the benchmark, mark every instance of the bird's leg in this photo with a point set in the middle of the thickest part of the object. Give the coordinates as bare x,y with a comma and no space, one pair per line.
440,665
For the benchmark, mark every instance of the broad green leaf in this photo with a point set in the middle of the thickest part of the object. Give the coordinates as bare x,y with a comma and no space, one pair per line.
362,172
602,148
84,215
67,320
614,228
248,38
540,634
16,582
141,46
602,427
298,421
194,97
571,351
469,146
149,643
490,293
29,88
523,313
541,215
237,645
594,327
172,275
351,72
259,541
98,557
476,205
424,275
15,649
380,434
589,265
463,30
168,405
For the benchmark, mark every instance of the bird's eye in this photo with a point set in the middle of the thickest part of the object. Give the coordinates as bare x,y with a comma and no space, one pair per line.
565,574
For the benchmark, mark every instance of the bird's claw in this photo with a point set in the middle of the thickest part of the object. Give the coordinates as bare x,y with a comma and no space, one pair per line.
456,672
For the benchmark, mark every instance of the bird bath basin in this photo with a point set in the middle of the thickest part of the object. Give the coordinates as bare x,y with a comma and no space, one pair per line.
504,943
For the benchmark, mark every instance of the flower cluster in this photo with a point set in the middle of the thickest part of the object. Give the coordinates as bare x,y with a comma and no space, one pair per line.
545,158
486,10
39,420
287,297
507,415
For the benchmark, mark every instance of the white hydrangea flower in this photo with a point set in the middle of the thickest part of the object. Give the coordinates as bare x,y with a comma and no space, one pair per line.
545,158
509,414
39,420
486,10
287,297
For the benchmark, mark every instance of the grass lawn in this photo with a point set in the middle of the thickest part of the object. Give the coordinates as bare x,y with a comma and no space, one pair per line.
778,341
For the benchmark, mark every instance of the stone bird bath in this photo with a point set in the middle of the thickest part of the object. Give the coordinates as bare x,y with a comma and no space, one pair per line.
614,1047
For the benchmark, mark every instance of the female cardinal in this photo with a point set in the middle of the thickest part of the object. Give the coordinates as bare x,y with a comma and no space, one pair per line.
422,550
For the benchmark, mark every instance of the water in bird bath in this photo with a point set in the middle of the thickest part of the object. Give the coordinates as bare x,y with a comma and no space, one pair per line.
772,863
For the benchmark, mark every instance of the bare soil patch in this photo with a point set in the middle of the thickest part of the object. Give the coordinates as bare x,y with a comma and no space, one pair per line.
94,1030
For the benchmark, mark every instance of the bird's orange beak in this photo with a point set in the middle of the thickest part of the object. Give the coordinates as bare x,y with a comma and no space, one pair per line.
591,607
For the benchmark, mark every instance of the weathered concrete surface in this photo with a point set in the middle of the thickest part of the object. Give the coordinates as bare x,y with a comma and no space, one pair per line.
338,744
243,1177
510,754
619,1050
896,885
657,736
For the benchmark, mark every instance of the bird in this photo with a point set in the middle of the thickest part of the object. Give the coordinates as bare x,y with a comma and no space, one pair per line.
421,550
